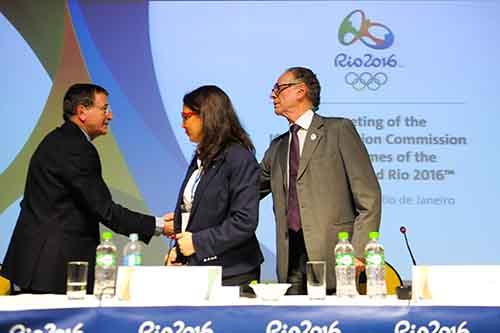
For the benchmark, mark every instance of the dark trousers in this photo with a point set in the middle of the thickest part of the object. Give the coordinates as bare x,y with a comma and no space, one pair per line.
297,259
242,279
297,262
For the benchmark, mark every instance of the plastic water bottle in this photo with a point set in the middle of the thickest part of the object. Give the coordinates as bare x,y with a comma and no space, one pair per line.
105,267
132,253
345,269
375,267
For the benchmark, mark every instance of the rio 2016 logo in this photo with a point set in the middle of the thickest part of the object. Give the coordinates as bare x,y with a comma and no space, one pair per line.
367,31
377,36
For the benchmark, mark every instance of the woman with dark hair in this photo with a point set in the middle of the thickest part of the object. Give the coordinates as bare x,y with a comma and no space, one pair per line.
218,205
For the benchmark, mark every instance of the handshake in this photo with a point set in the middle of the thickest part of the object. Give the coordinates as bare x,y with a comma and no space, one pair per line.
184,241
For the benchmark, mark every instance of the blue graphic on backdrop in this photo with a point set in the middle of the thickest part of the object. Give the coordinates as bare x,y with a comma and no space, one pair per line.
141,127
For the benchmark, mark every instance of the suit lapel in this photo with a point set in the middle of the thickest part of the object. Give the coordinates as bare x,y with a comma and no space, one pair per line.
313,138
191,168
205,179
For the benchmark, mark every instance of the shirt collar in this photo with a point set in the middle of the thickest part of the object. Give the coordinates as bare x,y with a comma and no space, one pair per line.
305,120
86,135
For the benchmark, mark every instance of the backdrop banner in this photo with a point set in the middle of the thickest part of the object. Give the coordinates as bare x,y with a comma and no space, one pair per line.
256,319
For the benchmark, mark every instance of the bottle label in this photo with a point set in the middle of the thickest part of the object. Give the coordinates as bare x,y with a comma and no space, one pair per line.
132,260
105,260
374,259
344,259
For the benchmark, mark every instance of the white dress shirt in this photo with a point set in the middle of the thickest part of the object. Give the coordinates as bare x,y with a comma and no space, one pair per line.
188,195
304,122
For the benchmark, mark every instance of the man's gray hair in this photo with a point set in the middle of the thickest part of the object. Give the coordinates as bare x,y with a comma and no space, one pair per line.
307,76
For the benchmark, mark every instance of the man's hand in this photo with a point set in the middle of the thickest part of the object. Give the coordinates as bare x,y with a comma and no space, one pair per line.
168,228
169,217
360,266
185,243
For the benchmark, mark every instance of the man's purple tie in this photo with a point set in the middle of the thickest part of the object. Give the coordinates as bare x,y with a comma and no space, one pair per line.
293,213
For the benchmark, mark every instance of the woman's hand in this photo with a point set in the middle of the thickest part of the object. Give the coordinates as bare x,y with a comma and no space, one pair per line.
185,243
171,258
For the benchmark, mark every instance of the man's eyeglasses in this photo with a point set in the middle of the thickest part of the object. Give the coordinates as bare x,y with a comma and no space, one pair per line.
279,88
186,115
106,108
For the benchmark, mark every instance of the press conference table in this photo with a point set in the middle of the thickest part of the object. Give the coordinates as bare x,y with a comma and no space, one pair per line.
292,314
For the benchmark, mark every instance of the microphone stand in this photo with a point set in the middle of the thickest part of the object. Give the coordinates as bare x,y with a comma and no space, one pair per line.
404,292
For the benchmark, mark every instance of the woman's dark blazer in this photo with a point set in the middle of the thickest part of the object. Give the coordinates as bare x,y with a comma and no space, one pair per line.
225,212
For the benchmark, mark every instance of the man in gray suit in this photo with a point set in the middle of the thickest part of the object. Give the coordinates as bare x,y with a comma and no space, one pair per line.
321,179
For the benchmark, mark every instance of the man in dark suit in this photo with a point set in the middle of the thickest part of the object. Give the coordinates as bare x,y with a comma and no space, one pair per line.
321,180
65,198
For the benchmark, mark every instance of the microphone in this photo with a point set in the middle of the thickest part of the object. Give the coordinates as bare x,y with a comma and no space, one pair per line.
404,292
403,231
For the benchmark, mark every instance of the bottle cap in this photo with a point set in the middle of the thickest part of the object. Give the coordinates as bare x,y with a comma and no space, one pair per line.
133,237
343,235
373,235
107,235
